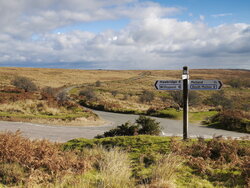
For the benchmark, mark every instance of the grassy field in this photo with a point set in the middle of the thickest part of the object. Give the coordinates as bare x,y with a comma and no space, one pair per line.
125,95
124,162
62,77
17,105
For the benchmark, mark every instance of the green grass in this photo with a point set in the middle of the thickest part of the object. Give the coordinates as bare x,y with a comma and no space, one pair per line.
135,144
201,116
195,117
168,113
74,91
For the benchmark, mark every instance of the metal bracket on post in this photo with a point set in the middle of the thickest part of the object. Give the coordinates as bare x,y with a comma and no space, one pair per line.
185,78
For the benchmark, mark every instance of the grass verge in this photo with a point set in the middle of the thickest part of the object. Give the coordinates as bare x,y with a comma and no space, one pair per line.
204,163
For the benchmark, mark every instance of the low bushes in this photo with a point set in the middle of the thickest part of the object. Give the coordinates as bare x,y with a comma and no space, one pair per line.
231,120
125,161
143,125
24,83
167,113
222,162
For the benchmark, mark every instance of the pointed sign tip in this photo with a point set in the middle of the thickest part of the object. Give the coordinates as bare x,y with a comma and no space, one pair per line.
156,84
220,82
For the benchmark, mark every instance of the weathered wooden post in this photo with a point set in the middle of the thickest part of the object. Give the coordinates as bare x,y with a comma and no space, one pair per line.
185,78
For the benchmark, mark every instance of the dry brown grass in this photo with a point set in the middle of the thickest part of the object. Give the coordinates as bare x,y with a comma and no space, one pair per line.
25,162
205,156
60,77
128,91
128,84
165,170
115,170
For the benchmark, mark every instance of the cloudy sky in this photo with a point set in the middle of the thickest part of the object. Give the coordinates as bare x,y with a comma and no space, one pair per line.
125,34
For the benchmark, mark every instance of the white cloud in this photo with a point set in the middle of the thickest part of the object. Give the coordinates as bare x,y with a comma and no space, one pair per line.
150,41
221,15
202,17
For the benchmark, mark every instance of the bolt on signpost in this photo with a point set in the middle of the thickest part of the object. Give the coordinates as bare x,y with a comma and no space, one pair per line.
185,84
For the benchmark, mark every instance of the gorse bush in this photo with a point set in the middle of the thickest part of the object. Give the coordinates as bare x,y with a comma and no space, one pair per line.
127,129
219,99
62,97
48,92
193,98
88,93
148,126
114,93
24,83
143,125
234,120
98,83
235,83
239,83
147,96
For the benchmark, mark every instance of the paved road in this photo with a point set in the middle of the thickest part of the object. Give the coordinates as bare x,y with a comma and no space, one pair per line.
63,134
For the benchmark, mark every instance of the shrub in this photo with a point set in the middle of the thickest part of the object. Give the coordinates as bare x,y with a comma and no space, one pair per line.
231,120
219,99
62,97
98,83
24,83
127,129
148,126
114,93
193,98
48,91
147,96
143,125
88,93
177,96
235,83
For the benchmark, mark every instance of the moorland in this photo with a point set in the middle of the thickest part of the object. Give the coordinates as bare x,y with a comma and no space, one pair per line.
62,94
59,97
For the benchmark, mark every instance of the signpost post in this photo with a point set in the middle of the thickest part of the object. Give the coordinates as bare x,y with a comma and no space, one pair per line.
185,77
185,84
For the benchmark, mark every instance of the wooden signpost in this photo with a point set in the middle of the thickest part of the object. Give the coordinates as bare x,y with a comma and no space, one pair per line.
185,84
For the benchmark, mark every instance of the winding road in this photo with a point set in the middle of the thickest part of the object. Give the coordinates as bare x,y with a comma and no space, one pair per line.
65,133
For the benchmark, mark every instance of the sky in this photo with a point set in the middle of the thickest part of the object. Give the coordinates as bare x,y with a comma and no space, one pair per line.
125,34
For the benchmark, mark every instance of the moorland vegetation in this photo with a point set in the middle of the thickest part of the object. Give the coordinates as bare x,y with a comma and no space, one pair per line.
124,161
60,95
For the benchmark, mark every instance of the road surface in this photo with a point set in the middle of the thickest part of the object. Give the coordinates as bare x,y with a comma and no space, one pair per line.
64,133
